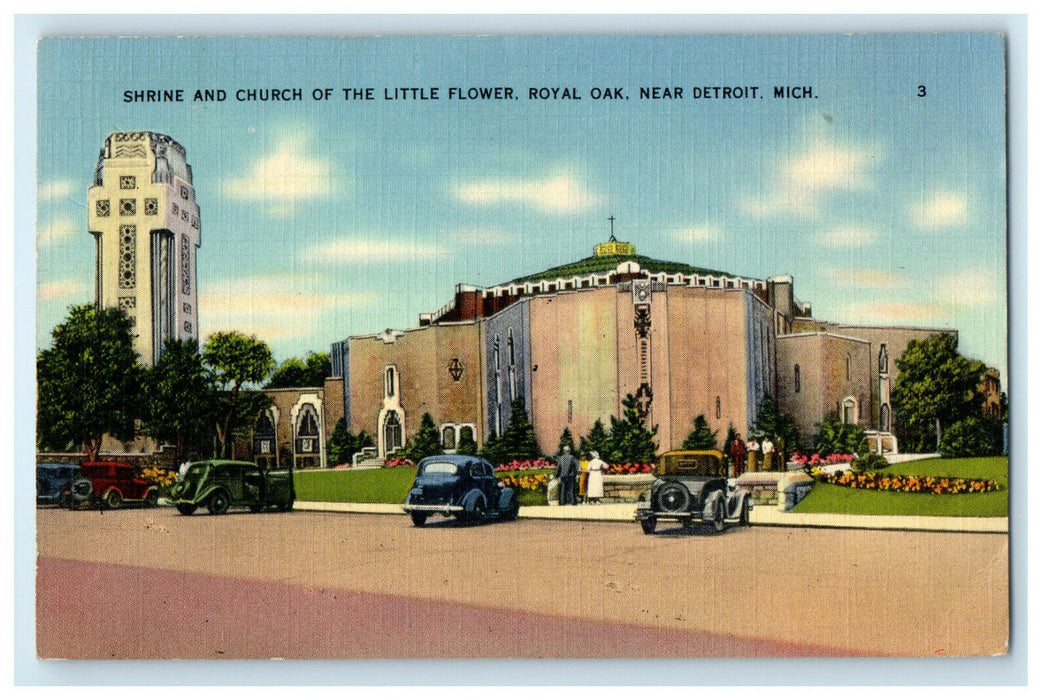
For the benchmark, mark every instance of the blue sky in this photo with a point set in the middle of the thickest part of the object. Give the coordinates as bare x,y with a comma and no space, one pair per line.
322,219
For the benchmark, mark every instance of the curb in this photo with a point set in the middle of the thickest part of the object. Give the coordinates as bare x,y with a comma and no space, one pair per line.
760,515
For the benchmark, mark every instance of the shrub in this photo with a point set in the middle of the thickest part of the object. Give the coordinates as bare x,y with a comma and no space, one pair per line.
972,437
869,462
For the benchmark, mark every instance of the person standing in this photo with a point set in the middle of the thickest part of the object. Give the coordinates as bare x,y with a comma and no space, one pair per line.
738,452
752,455
595,485
767,451
568,472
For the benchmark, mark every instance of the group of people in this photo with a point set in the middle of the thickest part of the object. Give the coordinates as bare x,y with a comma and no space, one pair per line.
567,474
744,455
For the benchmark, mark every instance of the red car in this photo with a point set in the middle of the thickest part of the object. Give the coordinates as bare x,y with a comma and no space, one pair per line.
113,483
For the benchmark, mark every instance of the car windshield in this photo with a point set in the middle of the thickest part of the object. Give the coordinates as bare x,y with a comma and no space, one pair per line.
195,471
439,468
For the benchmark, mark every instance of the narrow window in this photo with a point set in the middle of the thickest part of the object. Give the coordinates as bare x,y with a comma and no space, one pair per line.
797,379
717,408
883,359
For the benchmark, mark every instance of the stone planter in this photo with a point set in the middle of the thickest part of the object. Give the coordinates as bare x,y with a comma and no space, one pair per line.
763,487
626,487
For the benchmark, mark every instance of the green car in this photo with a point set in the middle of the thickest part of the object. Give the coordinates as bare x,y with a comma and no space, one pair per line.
219,484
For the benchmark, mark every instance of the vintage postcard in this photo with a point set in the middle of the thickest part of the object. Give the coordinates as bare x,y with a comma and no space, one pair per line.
522,347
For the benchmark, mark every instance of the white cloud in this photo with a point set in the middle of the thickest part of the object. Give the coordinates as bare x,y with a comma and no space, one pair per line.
57,230
70,289
275,307
849,237
892,312
289,174
696,234
868,278
481,236
557,194
941,209
55,189
374,248
970,288
804,178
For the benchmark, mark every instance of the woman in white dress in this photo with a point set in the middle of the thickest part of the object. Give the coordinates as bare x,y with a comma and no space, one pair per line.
595,480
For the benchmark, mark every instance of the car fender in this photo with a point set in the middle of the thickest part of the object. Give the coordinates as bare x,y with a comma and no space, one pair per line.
736,502
506,497
204,496
471,499
712,498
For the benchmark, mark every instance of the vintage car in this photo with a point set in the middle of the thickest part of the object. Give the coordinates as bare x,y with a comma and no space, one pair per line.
219,484
690,486
116,483
61,484
459,486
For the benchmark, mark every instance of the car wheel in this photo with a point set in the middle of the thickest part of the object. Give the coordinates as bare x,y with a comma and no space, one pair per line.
114,499
475,513
672,497
514,509
744,513
152,498
419,518
186,508
65,500
718,524
219,503
648,526
80,490
257,507
285,507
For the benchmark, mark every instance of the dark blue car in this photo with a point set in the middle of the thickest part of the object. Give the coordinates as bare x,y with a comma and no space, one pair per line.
459,486
61,484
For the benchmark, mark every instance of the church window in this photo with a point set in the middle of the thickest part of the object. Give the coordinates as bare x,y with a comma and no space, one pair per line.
883,359
510,346
265,435
717,408
150,206
448,438
391,381
848,368
127,207
126,268
797,379
307,433
127,182
884,421
102,207
183,191
848,410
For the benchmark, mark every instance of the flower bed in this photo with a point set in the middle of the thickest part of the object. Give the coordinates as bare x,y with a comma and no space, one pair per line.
526,482
816,460
635,468
908,484
522,464
398,462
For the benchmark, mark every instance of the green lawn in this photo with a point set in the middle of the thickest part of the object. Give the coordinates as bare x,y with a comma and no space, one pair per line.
388,485
826,498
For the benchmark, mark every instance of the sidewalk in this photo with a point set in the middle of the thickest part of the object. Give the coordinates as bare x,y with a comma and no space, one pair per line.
760,515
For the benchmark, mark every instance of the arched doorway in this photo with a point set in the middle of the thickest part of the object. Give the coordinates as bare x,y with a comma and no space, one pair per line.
265,441
307,439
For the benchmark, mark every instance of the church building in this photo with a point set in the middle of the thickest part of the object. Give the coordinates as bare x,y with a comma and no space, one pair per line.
573,341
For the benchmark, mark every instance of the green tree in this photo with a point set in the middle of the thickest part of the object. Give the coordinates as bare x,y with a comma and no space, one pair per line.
294,372
701,438
835,436
566,440
518,441
340,444
630,440
426,442
730,436
88,382
467,444
236,359
936,387
596,441
181,400
775,424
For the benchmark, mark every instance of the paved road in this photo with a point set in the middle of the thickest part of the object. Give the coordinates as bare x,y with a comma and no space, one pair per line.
153,584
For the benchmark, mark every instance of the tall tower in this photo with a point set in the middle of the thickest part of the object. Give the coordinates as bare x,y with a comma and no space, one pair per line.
143,214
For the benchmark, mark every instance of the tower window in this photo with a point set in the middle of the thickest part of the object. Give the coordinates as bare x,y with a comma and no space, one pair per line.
127,182
150,206
102,207
391,381
883,359
127,207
